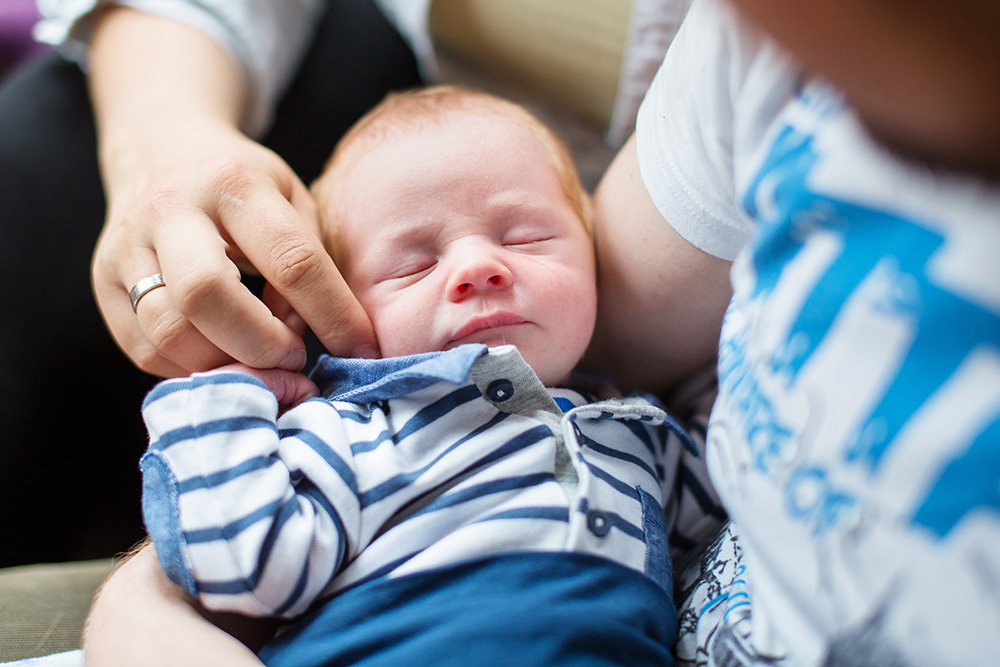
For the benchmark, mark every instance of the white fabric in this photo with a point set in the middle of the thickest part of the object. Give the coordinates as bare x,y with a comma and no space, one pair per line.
652,28
687,130
854,438
269,38
66,659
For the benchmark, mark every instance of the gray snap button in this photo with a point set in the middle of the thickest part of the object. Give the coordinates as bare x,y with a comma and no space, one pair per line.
599,523
500,390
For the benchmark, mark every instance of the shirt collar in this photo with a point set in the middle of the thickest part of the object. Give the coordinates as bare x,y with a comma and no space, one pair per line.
367,380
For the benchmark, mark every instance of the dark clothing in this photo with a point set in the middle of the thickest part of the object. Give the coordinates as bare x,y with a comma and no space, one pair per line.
70,422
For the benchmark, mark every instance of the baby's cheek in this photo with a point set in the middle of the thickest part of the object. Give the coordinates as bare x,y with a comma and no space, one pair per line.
401,336
401,325
574,298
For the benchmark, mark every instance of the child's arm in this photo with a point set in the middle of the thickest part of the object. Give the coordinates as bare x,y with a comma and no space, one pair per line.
249,513
140,618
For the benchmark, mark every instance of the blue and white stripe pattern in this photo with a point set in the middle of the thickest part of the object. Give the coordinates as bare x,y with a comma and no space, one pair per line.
406,465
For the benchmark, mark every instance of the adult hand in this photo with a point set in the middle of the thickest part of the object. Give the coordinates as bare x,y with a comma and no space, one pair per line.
192,198
206,206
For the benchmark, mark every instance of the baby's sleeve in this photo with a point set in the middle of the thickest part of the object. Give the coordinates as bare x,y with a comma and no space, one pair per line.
248,513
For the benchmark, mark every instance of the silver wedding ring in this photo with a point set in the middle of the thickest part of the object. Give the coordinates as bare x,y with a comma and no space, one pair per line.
142,287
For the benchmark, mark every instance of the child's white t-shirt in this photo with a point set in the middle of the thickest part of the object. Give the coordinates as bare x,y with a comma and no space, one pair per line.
856,438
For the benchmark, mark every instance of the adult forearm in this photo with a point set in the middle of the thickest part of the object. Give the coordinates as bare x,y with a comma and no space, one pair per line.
660,299
140,618
151,79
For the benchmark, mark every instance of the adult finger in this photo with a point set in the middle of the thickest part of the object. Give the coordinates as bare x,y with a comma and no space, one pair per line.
112,277
205,289
283,310
280,239
153,314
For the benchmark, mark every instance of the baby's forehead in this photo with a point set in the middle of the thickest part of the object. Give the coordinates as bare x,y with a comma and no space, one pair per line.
436,155
401,125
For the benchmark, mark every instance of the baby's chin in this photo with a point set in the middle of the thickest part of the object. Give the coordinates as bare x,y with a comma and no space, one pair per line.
549,371
550,374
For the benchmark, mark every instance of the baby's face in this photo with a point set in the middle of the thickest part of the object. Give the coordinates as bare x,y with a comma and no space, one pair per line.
463,234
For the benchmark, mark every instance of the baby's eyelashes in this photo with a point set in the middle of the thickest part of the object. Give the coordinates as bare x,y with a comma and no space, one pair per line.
410,270
527,235
528,242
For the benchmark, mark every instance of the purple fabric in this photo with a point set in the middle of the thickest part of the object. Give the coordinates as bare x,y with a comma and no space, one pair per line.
16,19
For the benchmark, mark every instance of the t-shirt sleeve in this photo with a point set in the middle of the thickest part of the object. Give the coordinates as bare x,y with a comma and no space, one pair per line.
685,131
267,38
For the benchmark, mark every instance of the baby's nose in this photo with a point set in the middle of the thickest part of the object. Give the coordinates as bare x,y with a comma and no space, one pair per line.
495,280
479,272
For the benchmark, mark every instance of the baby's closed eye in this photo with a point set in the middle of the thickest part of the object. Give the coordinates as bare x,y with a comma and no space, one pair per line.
527,236
409,268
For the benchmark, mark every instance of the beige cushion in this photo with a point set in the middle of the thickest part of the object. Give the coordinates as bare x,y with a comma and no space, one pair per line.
568,52
43,607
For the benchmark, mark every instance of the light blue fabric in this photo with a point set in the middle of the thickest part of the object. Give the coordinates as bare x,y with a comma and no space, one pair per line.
367,380
66,659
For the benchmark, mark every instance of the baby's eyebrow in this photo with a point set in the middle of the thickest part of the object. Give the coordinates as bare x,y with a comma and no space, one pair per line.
511,208
412,234
510,204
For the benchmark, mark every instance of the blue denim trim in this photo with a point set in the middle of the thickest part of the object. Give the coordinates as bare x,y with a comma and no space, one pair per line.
161,514
658,566
368,380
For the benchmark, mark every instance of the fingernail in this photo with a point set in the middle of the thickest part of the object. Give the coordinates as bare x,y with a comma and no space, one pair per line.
295,360
366,352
